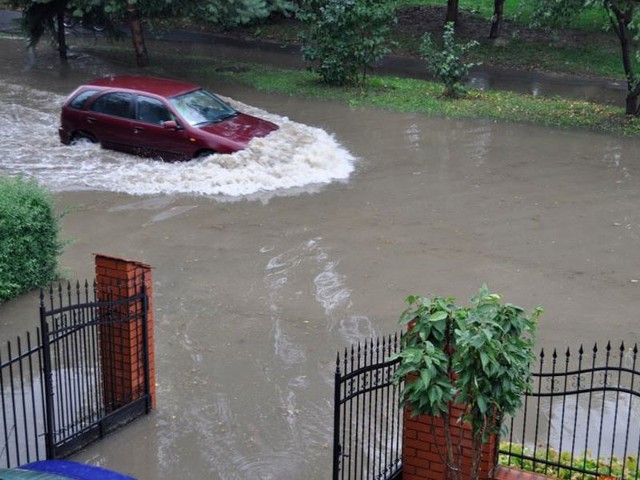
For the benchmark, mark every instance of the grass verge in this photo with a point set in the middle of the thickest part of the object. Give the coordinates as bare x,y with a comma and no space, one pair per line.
405,95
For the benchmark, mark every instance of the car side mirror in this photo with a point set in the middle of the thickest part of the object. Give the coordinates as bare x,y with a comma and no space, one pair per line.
171,125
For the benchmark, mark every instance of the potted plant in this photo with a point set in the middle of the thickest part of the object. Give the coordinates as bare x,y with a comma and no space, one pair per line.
465,366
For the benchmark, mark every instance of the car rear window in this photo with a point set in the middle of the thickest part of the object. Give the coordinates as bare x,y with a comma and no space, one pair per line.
114,103
78,100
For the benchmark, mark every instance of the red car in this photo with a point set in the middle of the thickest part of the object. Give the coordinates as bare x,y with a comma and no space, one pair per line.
156,117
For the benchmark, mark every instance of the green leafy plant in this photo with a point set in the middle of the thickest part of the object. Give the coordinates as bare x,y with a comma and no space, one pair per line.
474,359
345,38
29,244
446,64
543,456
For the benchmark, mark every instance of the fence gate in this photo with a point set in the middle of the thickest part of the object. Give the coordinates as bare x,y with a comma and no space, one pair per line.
367,440
95,362
580,419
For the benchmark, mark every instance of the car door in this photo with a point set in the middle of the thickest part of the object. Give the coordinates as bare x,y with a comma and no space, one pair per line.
109,118
153,138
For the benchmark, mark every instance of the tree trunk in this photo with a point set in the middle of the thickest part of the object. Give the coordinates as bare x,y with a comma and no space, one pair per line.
620,20
60,32
631,103
135,23
496,20
452,12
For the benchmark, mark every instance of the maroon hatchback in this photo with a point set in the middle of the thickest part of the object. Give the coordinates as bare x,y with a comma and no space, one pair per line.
156,117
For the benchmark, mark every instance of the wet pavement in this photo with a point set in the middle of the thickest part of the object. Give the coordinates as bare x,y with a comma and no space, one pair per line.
256,293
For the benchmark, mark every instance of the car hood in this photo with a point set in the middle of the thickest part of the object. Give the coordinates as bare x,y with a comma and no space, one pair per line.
241,128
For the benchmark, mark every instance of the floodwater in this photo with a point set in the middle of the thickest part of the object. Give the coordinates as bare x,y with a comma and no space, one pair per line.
259,280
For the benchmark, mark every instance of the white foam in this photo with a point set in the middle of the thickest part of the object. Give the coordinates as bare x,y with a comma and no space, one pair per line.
291,159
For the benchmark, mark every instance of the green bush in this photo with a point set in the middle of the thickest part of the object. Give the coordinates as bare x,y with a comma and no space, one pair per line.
447,64
345,37
29,244
616,467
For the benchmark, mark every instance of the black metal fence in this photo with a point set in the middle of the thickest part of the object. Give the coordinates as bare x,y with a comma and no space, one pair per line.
582,417
367,417
22,396
52,388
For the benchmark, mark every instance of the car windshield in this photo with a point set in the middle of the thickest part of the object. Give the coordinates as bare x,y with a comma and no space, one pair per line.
201,107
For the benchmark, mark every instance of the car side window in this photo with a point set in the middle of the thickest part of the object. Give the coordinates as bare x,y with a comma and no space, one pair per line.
151,110
114,103
78,100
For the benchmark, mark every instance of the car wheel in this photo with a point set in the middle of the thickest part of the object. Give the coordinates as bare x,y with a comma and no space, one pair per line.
204,154
82,137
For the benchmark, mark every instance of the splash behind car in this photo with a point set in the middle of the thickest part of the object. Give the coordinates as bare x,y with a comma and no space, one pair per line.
157,117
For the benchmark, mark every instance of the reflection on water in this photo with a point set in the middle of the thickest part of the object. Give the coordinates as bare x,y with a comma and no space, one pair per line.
592,90
585,407
604,424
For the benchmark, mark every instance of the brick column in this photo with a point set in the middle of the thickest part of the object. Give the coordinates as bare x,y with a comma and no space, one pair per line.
121,334
424,442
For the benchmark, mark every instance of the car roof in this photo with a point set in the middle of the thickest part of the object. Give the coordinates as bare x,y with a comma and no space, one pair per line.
65,469
157,86
18,474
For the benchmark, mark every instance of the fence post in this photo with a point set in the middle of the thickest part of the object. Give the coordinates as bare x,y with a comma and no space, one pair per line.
49,433
127,374
337,448
424,448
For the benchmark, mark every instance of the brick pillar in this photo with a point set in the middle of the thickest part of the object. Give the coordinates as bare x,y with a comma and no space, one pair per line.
121,335
421,459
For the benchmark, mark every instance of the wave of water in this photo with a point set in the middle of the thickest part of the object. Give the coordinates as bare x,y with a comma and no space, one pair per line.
294,157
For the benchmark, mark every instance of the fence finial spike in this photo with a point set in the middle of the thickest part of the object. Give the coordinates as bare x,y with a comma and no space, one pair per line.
622,346
608,346
567,353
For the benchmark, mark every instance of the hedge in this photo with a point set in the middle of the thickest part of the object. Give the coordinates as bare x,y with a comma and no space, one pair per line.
29,237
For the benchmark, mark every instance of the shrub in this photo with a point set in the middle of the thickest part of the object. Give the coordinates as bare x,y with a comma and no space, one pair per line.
476,357
446,64
29,244
345,37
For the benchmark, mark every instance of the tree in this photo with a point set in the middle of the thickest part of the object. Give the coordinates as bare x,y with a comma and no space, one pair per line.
345,37
452,12
620,14
496,19
42,16
476,358
621,19
446,64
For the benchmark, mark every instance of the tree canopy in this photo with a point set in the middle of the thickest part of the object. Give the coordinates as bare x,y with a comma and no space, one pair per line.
42,16
621,15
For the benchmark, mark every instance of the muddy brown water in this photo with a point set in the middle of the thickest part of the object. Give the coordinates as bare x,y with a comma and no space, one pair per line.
255,295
